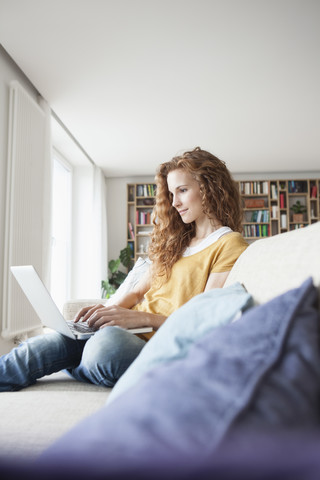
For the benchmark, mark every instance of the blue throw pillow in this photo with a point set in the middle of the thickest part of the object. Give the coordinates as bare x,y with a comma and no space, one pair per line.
189,323
261,370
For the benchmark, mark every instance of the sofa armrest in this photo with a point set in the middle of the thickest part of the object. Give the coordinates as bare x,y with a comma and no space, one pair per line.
72,307
273,265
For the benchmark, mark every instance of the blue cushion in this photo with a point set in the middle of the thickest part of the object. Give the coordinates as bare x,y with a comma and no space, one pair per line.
189,323
262,370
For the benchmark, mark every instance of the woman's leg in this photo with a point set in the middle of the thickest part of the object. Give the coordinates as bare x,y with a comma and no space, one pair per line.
38,356
107,355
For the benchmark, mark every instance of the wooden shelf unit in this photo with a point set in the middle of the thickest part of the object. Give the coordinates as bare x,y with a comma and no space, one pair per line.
267,209
140,202
276,198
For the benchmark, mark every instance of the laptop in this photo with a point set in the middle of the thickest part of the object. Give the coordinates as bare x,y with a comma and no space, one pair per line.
47,311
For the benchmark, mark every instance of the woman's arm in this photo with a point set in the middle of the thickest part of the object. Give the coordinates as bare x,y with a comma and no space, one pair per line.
136,295
120,314
216,280
114,315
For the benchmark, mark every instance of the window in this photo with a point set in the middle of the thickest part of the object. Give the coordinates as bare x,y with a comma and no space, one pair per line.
61,231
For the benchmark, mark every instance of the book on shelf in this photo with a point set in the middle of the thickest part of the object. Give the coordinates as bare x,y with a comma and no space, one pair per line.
282,200
131,231
265,230
130,245
253,202
252,231
274,192
254,188
260,216
131,193
283,220
312,215
314,191
254,216
297,186
143,218
274,211
146,190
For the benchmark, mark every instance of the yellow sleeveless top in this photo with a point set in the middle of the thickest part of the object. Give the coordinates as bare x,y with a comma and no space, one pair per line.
189,275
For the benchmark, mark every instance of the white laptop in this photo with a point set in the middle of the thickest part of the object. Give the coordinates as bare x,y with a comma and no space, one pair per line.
47,310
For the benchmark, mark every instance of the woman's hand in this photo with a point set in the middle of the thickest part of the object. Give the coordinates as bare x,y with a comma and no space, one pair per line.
86,312
114,315
99,316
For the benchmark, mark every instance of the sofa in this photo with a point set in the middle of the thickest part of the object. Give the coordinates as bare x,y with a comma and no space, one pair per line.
51,425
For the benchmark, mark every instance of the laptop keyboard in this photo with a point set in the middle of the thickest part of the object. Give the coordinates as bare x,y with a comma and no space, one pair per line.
80,327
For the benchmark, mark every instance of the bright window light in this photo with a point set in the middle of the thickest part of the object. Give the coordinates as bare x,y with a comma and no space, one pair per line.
61,232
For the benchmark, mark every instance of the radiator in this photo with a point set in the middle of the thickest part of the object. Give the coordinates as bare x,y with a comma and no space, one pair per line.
25,198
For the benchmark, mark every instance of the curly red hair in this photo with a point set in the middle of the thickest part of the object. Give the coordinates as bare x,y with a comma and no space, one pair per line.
220,199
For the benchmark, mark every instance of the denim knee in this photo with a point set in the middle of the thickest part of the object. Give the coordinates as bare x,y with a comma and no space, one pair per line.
36,357
107,355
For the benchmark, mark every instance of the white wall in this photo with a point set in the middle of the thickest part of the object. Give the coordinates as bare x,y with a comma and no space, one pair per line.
8,71
278,175
117,212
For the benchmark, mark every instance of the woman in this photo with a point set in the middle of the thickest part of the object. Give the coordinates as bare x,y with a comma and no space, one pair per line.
195,242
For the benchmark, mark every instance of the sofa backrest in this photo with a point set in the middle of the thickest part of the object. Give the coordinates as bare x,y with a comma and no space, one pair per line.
270,266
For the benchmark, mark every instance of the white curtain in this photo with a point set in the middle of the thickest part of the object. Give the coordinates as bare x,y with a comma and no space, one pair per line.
99,216
89,242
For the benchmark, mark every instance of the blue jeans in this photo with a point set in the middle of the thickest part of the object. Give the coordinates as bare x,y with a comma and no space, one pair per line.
100,360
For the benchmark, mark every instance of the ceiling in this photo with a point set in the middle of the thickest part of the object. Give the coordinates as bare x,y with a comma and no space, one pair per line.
139,81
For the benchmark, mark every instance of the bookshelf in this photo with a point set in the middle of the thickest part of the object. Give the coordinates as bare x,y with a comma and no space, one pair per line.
140,202
267,209
268,206
256,208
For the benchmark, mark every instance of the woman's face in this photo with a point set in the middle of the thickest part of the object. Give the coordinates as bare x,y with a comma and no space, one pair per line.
186,197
